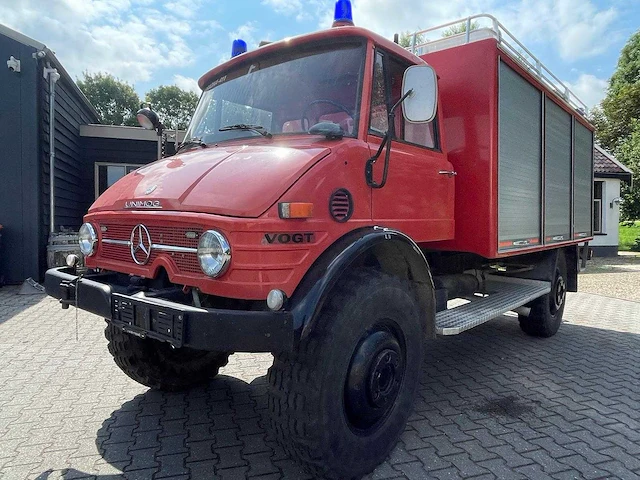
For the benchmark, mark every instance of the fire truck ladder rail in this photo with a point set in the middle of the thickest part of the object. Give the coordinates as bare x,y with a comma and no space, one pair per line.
504,294
476,28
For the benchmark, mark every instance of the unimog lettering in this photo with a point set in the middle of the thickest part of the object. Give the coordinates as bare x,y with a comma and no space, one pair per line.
143,204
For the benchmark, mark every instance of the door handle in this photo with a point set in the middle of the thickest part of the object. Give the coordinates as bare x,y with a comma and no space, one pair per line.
449,173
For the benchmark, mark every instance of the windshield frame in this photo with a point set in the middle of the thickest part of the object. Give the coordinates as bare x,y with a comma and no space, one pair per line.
289,54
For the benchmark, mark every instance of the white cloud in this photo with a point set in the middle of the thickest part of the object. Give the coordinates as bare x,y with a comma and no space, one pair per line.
183,8
245,32
187,83
589,88
114,36
575,28
302,10
387,18
285,7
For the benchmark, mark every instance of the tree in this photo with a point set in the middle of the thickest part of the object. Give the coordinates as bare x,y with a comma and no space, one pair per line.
613,118
459,28
406,39
173,105
628,152
628,69
617,121
115,101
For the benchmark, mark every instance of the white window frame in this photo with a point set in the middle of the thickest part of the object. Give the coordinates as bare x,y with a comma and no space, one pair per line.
96,172
597,207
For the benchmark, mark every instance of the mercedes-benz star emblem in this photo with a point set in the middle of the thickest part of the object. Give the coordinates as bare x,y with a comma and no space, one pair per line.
150,190
140,244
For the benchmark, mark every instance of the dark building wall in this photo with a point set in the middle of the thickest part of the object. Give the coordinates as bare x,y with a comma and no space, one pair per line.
117,150
24,157
19,166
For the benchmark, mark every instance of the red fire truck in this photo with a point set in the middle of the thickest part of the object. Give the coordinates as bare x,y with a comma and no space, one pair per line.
339,199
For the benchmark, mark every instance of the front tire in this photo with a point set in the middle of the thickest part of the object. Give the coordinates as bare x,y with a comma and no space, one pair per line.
159,366
545,316
341,400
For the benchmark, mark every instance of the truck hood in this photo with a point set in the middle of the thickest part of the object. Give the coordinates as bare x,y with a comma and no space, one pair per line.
241,180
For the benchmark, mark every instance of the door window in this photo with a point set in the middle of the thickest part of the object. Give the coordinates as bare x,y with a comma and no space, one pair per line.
387,89
379,121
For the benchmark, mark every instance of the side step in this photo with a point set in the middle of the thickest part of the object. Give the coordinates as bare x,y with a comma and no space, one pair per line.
504,294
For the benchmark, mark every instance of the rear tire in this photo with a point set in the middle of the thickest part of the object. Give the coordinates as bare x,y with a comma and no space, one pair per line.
159,366
340,401
545,316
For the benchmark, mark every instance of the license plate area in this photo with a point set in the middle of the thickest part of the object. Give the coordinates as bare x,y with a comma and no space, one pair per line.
145,320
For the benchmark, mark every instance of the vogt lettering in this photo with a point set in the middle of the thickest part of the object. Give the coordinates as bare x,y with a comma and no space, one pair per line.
271,238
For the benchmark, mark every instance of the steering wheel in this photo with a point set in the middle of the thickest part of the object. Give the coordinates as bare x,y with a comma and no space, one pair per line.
316,102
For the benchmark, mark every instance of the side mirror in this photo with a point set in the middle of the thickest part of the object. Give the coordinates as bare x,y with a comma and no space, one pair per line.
420,106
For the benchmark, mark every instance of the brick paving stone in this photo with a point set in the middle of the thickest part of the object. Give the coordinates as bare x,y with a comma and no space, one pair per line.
493,403
586,469
617,469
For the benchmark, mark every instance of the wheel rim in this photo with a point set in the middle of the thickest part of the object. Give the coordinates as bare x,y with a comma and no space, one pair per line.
374,379
559,294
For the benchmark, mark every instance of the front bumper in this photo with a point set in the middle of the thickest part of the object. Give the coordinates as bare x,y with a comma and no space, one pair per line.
180,325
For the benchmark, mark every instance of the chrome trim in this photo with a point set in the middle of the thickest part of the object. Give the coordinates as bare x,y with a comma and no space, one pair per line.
145,245
172,248
126,243
155,246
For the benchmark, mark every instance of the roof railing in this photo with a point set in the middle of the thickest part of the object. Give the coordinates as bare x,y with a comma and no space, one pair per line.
509,43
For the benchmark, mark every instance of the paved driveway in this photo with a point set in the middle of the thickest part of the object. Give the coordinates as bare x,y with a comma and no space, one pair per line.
493,404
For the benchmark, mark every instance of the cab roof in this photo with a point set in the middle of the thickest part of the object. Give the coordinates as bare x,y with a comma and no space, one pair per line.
293,42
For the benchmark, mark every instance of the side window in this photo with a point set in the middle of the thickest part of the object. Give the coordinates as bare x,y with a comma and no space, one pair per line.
396,73
106,174
387,90
379,122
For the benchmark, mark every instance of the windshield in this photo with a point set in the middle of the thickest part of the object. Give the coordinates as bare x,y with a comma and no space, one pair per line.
283,94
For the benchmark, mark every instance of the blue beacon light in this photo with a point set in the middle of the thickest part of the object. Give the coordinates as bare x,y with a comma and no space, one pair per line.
238,47
343,16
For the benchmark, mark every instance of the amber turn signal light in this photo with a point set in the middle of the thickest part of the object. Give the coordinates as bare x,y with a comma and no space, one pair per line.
295,210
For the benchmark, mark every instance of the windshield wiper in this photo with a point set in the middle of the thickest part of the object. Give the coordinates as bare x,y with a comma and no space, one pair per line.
254,128
193,142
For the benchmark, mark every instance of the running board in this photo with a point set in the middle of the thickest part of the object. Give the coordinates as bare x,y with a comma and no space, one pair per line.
503,294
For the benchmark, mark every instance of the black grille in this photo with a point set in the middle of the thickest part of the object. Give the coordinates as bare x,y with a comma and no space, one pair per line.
341,205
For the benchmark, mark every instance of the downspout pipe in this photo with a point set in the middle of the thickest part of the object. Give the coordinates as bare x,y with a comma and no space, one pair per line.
53,76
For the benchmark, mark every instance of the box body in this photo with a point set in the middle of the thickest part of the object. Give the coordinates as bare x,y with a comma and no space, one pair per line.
523,156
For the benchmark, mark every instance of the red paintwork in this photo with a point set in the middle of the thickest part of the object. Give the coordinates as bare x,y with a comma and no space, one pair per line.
211,180
235,186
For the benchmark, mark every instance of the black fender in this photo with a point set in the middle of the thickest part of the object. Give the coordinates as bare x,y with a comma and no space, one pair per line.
394,252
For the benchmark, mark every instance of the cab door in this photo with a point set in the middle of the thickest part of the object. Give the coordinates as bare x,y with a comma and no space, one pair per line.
418,197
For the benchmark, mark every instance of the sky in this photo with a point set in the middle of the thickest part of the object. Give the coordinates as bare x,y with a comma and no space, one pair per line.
162,42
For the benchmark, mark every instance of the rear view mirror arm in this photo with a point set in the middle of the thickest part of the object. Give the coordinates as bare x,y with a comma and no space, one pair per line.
386,141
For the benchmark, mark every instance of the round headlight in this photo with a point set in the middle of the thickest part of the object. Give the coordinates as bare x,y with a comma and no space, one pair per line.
87,238
214,253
